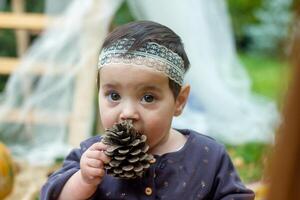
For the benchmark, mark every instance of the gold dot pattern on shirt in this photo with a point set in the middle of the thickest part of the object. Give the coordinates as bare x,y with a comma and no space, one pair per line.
205,161
206,148
203,184
148,191
123,195
200,196
166,184
152,161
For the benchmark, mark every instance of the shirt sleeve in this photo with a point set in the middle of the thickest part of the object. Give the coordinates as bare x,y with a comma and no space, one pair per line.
56,182
227,184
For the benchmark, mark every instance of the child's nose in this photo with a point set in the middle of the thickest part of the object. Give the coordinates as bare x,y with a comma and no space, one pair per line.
129,112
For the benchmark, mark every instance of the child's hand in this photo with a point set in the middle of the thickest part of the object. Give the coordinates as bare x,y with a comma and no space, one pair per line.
92,164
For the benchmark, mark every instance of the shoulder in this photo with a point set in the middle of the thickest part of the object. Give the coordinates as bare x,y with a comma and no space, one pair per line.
202,139
203,144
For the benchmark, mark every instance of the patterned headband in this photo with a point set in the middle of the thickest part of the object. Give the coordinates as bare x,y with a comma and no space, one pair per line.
150,55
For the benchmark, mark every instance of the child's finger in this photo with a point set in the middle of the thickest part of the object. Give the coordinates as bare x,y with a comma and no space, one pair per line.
98,155
98,146
95,172
101,173
94,154
104,158
95,163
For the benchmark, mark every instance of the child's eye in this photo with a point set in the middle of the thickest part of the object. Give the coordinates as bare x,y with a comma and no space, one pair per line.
113,96
148,98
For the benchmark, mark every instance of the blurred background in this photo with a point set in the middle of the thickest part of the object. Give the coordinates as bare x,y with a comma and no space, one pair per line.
261,30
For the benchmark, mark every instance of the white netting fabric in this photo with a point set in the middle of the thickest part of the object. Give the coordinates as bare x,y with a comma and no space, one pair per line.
42,93
221,103
43,89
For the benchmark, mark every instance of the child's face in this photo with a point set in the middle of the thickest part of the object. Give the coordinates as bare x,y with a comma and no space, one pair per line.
140,94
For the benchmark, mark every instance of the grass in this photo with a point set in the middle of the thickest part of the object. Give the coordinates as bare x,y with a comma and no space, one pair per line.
269,77
249,160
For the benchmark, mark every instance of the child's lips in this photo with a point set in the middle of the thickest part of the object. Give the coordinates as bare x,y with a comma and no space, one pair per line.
139,131
142,132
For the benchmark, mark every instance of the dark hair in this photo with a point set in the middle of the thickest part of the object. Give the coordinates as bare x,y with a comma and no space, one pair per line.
148,31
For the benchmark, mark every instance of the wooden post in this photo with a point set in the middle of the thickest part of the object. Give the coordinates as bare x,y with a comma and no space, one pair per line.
84,94
83,105
84,97
22,36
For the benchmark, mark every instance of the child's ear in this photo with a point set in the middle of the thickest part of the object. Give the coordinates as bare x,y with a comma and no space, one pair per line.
181,99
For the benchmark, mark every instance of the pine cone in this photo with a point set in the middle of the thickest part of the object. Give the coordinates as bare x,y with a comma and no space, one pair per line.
127,150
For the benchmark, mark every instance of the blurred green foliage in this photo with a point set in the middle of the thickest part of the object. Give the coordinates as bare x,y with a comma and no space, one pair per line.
269,75
122,16
8,44
3,81
249,160
35,6
270,78
7,37
242,13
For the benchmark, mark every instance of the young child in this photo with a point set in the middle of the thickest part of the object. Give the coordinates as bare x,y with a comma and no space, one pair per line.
140,78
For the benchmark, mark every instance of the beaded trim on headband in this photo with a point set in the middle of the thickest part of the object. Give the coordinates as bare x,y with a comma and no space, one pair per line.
151,54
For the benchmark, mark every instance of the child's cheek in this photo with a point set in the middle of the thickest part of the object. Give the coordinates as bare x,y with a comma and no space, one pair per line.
107,119
157,129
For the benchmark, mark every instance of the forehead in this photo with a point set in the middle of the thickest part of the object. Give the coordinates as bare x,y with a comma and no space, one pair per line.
132,75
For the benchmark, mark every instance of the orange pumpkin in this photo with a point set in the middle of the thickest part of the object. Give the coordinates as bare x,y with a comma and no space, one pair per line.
6,172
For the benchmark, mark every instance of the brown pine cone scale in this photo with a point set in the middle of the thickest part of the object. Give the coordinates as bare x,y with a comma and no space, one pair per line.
127,150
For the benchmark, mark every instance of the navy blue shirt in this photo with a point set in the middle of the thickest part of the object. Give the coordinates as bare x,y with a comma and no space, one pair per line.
201,169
